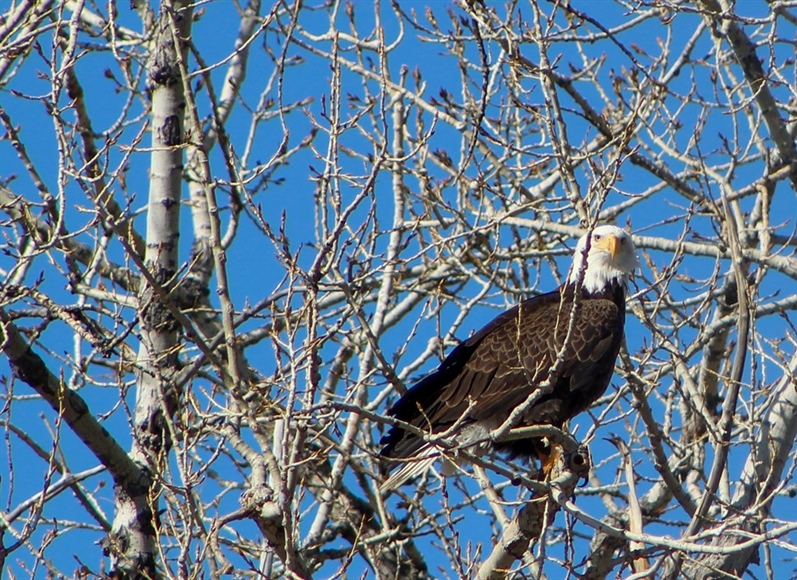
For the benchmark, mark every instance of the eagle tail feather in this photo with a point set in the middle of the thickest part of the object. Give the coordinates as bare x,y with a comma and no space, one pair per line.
416,465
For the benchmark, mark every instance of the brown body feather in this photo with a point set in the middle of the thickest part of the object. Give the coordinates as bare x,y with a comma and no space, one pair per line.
497,369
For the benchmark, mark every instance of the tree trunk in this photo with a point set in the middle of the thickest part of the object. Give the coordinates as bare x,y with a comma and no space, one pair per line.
133,538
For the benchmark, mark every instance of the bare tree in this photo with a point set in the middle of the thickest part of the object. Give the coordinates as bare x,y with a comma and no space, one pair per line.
235,233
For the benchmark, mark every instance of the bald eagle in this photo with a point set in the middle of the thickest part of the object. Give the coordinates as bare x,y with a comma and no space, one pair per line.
486,377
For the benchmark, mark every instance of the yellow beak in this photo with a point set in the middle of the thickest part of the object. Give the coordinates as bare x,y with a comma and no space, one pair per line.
611,243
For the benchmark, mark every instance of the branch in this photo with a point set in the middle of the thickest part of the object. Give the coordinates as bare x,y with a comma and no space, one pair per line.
761,478
357,521
734,382
721,18
529,523
30,368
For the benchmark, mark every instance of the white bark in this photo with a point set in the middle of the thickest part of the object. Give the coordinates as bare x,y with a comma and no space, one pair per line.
133,540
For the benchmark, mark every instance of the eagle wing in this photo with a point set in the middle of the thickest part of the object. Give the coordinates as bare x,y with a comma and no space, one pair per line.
517,356
495,370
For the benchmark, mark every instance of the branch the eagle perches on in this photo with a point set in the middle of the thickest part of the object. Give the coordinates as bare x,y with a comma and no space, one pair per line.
570,463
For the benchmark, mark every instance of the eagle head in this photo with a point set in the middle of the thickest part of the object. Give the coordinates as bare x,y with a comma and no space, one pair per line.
611,258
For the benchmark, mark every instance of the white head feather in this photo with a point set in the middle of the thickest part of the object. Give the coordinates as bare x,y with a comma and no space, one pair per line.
612,256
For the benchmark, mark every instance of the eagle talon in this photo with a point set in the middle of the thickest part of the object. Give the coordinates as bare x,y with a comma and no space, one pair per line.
553,460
